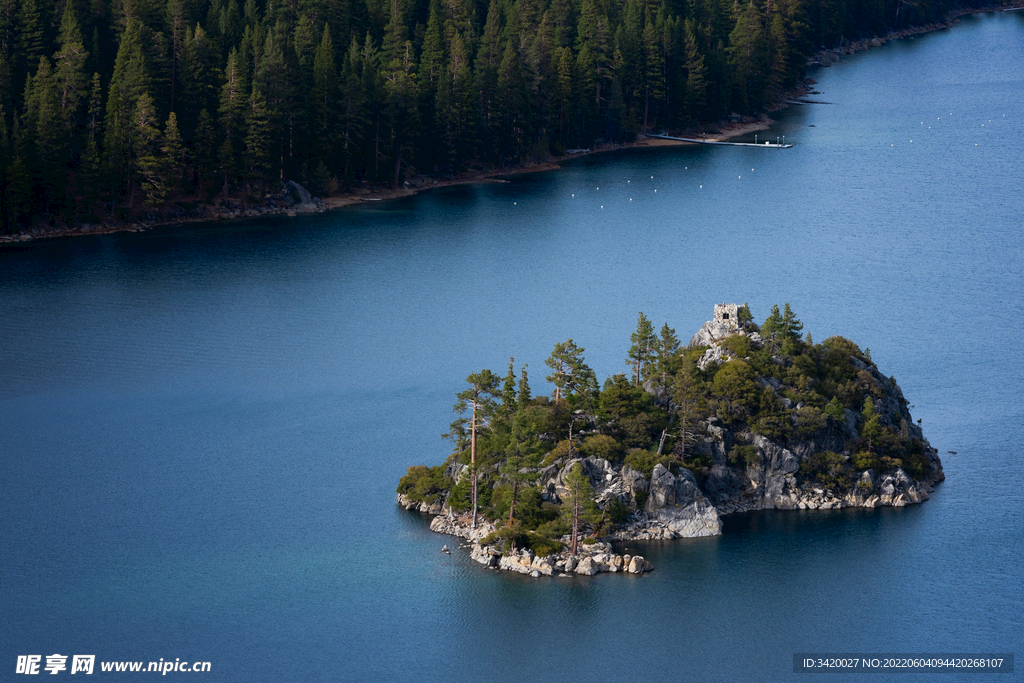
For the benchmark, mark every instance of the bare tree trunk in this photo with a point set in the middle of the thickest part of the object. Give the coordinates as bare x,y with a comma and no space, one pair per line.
472,458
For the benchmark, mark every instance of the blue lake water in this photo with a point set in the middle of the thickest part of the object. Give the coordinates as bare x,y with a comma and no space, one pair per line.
202,427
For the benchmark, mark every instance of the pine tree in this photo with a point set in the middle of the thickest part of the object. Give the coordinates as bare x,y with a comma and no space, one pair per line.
72,79
257,139
148,165
325,90
578,507
696,76
524,389
234,98
479,399
643,351
571,375
508,390
172,148
29,43
43,123
130,81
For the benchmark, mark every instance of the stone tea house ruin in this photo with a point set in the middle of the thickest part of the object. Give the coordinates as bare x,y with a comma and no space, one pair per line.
728,314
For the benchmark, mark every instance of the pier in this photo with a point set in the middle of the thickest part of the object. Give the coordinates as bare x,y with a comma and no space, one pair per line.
771,145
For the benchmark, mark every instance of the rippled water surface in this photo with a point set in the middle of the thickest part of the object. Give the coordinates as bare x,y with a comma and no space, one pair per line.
202,427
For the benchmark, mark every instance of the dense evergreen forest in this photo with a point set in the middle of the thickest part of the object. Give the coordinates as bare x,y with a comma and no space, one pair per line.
112,107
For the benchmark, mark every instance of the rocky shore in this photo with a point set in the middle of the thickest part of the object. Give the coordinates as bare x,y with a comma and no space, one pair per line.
594,557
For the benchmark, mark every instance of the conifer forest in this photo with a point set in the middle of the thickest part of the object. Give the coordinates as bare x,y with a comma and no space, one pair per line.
112,108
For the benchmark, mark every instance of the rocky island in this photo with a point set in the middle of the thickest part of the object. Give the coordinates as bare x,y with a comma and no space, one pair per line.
744,417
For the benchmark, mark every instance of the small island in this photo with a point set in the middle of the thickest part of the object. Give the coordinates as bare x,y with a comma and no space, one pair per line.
744,417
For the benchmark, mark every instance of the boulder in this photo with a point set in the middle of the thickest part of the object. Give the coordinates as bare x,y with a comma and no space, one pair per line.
638,565
677,503
586,567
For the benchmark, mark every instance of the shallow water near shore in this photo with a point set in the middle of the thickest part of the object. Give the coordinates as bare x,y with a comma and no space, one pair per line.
202,427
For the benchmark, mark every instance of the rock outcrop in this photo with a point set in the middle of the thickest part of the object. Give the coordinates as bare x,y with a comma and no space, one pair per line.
677,503
595,558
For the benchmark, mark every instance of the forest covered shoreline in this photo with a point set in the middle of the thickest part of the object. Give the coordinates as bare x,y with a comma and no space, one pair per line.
218,212
119,114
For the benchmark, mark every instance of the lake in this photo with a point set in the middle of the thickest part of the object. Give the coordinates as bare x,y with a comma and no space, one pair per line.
202,427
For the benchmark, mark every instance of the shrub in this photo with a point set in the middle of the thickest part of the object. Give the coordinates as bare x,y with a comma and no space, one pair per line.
809,420
555,528
889,464
424,484
774,426
835,410
540,545
641,499
512,536
616,511
827,469
739,344
746,454
559,451
865,460
644,461
602,446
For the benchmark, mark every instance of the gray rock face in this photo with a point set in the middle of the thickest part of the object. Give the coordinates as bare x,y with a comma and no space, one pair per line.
300,197
677,503
774,480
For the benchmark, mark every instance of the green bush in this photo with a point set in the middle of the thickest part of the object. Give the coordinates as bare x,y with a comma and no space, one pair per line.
829,470
424,484
512,536
865,460
739,344
617,511
809,420
744,455
644,461
602,446
641,499
461,497
774,426
555,528
542,546
559,451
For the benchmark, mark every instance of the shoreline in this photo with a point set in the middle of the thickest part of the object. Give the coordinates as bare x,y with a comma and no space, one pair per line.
415,185
723,130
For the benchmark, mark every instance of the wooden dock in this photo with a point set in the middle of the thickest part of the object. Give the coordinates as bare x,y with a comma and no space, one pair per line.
768,144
